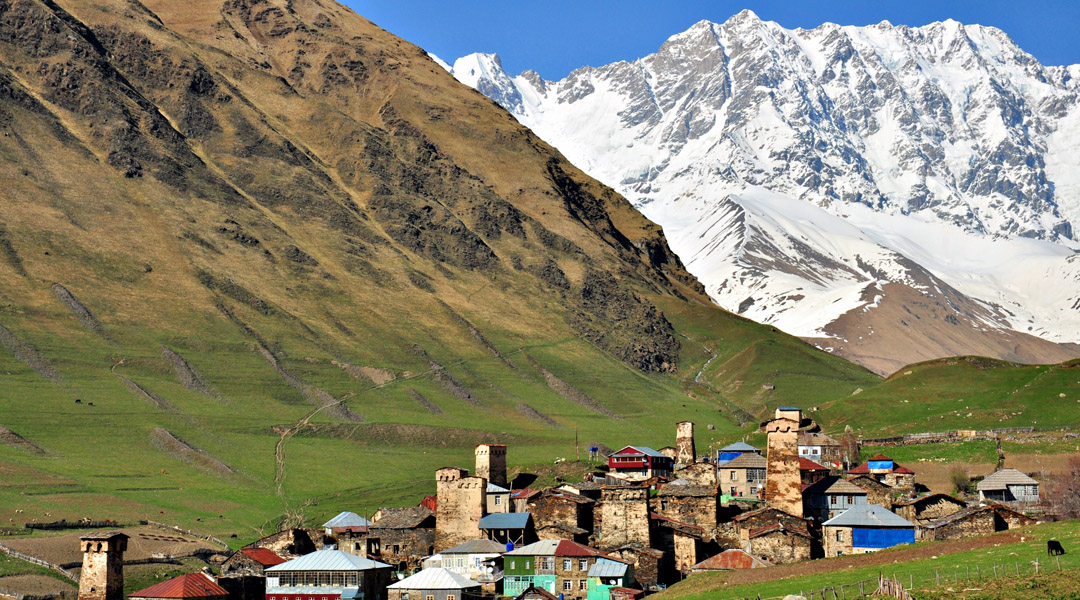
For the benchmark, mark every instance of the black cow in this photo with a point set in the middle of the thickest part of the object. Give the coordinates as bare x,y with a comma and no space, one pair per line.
1053,548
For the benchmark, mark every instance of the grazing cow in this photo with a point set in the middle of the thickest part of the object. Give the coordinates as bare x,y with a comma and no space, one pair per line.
1053,548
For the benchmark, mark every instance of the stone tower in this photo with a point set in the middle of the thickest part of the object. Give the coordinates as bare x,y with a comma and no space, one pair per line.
624,517
783,484
102,575
460,504
491,463
685,452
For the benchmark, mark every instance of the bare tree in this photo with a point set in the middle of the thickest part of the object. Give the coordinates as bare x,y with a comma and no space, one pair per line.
1063,493
849,445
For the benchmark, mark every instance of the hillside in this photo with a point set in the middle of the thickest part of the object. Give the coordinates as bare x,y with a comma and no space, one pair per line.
893,194
265,261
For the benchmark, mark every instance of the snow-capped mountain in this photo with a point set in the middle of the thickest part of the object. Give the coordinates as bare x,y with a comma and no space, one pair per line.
810,178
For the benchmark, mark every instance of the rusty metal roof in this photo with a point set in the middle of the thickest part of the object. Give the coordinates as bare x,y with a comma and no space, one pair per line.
732,559
263,556
192,585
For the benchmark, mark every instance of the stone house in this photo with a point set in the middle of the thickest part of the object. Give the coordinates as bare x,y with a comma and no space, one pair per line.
876,491
640,462
646,561
830,497
461,502
729,560
698,474
346,522
887,471
1008,485
732,451
621,517
811,472
329,575
519,499
763,518
783,484
683,544
780,543
693,504
398,536
497,499
102,575
193,586
508,528
926,509
557,566
744,476
865,528
479,560
560,514
243,575
291,543
977,520
821,449
433,584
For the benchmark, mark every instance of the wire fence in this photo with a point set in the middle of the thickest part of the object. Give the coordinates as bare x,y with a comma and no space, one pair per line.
895,585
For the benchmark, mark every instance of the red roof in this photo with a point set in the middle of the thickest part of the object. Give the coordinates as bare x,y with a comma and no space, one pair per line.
805,464
731,559
192,585
523,493
568,548
263,556
430,502
865,467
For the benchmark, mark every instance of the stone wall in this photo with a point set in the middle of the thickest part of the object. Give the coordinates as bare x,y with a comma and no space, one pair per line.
461,501
780,546
876,492
685,452
646,562
623,517
686,553
102,575
783,483
491,463
695,509
698,474
837,541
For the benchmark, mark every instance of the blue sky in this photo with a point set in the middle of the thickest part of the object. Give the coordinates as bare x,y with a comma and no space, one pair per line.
554,37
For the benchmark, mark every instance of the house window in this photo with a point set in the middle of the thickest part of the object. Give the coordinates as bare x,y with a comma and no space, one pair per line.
583,585
583,565
513,565
404,595
429,597
734,476
566,564
839,535
568,585
498,500
450,597
832,500
851,499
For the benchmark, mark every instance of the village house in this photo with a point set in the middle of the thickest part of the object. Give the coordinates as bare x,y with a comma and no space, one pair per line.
763,518
557,566
821,449
640,462
865,528
702,473
810,472
293,542
398,536
780,542
1008,485
328,575
831,496
876,492
508,528
459,505
622,517
535,593
479,560
729,560
744,476
683,544
243,574
733,451
498,499
645,561
346,522
434,584
885,470
926,509
519,499
606,575
561,515
976,520
694,504
193,586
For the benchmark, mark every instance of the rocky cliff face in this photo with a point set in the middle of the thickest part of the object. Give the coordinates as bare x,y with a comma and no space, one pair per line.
941,153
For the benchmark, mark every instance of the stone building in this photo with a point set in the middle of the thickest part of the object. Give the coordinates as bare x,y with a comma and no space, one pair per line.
821,449
460,505
243,574
763,518
561,515
780,542
887,471
508,528
479,560
683,545
811,472
623,517
783,484
876,492
732,451
693,504
102,576
292,542
971,521
1008,485
685,451
491,463
744,476
497,499
346,522
865,528
830,497
401,537
192,586
646,561
433,584
702,473
927,509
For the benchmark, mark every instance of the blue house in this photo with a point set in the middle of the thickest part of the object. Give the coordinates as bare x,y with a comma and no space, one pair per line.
866,528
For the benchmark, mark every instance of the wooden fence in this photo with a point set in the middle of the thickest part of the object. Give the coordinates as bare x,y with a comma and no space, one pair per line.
37,561
208,538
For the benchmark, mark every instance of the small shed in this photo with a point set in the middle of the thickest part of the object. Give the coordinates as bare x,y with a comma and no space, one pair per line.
1008,485
508,528
198,586
433,584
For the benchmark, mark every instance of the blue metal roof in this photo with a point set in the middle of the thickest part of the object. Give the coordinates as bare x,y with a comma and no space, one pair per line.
788,408
646,451
607,568
868,515
505,521
739,447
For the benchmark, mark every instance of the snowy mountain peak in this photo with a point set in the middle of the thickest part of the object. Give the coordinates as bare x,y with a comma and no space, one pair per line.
945,128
